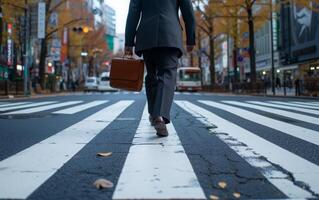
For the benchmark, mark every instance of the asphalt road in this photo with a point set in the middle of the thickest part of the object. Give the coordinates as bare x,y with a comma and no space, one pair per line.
220,147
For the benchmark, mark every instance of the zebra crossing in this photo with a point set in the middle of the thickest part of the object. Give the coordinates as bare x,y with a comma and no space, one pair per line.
169,174
290,107
41,166
29,108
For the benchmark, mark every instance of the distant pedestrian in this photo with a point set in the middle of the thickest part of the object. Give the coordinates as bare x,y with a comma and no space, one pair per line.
297,87
278,83
156,27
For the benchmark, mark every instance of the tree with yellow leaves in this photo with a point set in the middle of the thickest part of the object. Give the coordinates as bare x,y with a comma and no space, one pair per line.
241,16
207,12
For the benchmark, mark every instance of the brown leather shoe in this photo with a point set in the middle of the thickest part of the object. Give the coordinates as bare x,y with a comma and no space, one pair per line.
151,119
160,126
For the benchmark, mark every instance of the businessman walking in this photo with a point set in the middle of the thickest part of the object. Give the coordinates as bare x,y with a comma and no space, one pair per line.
154,29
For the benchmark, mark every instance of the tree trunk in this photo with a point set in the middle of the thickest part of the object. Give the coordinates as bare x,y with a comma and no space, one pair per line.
43,53
252,51
235,64
212,60
200,55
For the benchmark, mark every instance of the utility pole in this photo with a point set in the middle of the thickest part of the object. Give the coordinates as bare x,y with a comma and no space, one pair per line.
26,52
1,26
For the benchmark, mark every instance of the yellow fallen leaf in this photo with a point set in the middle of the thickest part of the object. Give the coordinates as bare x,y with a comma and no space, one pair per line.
213,197
104,154
236,194
103,183
222,184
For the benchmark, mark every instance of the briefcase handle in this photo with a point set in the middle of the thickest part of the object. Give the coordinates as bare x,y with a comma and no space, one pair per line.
130,57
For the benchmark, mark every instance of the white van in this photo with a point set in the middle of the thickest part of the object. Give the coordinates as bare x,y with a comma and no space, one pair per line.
104,83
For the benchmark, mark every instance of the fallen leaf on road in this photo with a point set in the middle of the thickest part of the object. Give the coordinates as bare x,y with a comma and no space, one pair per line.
104,154
236,194
213,197
222,184
103,183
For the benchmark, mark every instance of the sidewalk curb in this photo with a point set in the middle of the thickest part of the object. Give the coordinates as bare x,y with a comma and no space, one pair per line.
291,97
36,96
262,95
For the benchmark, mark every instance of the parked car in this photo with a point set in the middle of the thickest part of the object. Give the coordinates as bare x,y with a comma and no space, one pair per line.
91,84
104,83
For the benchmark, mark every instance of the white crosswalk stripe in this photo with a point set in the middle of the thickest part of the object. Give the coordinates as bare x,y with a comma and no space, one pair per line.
301,117
39,162
142,167
294,104
290,129
42,108
29,105
80,108
12,104
307,103
310,111
301,169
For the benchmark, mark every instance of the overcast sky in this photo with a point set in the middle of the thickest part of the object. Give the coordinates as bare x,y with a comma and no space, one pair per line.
121,8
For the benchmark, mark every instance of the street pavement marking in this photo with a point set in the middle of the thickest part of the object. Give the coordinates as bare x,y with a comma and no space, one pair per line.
12,104
290,129
80,108
307,103
251,147
294,104
315,112
300,117
22,173
157,168
42,108
27,105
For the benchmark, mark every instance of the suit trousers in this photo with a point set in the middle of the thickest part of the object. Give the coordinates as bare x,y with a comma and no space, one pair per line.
160,81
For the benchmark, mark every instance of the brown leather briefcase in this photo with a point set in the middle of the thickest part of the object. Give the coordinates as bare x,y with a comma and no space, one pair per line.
127,74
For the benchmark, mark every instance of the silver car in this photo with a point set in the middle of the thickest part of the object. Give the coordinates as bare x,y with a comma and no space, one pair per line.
91,84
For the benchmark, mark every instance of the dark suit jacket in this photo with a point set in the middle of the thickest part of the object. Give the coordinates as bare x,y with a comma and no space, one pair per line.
155,23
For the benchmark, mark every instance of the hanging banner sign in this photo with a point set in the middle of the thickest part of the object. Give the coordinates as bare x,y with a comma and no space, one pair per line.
9,47
41,20
64,49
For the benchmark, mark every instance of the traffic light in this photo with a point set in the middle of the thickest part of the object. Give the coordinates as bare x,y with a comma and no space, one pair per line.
78,29
81,29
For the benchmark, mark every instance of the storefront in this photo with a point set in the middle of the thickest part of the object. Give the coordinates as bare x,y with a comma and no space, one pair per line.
310,73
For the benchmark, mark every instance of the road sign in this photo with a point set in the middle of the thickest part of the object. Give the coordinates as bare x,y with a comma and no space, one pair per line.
41,20
240,59
54,19
4,73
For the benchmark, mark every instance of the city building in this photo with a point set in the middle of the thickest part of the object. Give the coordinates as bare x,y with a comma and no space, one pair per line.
119,43
109,19
97,8
299,53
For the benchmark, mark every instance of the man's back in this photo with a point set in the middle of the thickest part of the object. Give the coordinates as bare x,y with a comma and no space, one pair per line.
158,24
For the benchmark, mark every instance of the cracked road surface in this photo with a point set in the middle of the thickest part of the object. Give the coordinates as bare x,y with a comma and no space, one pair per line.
225,147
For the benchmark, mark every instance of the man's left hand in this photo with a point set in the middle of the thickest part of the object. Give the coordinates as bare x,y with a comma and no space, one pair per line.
128,51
